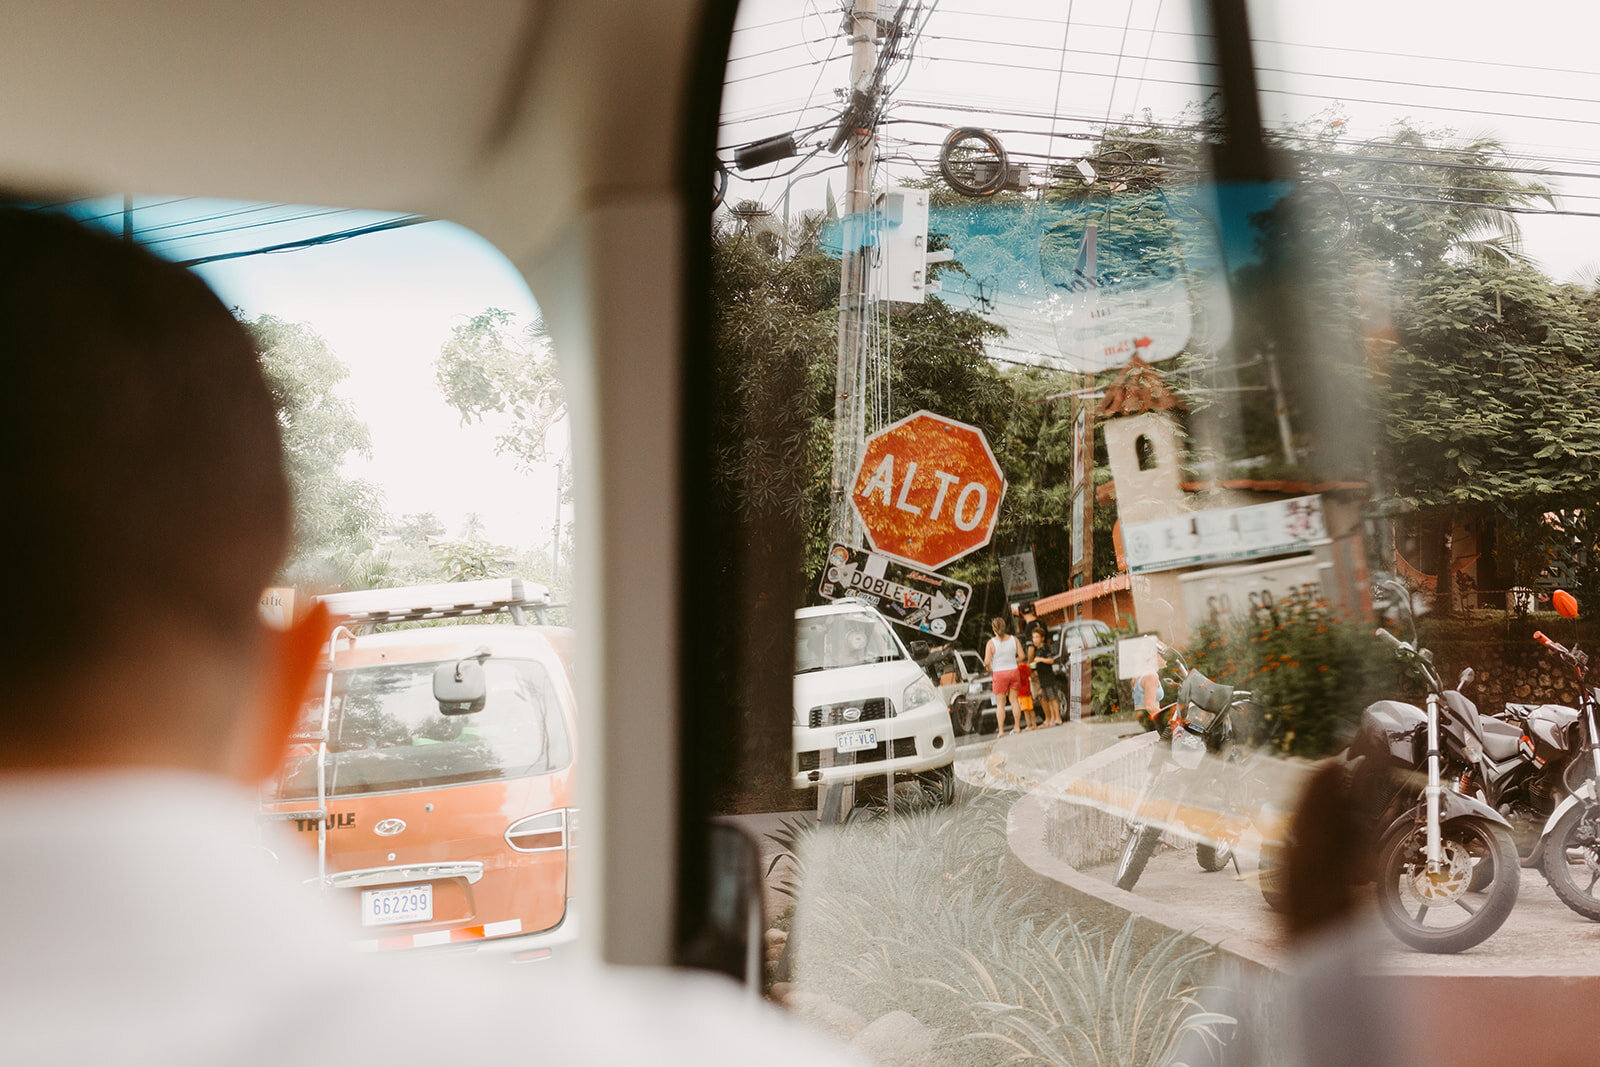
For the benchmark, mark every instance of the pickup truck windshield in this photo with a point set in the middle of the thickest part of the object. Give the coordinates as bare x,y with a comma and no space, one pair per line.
385,732
844,640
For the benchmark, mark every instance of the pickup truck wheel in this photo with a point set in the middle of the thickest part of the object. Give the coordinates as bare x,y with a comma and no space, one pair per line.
964,717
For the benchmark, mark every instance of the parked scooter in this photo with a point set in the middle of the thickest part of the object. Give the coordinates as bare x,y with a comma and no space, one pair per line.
1431,844
1570,843
1198,755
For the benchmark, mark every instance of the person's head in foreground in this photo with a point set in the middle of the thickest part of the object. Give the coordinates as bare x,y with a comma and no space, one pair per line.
142,922
149,509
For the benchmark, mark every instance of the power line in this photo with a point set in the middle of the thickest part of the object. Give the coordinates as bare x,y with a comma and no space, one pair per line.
312,242
774,22
249,226
775,70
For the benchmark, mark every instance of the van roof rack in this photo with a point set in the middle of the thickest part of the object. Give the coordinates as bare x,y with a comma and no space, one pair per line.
446,600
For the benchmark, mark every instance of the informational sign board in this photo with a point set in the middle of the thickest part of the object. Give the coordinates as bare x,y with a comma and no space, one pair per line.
927,603
1224,535
277,607
1101,323
1219,594
1020,576
928,490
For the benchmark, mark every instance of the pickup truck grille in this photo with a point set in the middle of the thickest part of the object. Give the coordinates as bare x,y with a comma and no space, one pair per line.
900,746
833,714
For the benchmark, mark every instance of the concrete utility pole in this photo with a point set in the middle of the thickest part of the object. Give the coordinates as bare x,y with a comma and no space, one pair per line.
849,411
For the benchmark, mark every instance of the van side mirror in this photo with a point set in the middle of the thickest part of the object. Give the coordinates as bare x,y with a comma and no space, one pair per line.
1566,604
460,687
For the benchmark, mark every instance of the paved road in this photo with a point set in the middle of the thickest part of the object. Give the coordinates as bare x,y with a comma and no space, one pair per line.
1542,935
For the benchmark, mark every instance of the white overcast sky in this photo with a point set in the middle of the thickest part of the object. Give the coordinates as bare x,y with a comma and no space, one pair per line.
1001,65
387,302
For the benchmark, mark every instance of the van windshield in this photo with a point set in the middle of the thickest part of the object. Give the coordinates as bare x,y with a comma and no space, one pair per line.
385,732
824,642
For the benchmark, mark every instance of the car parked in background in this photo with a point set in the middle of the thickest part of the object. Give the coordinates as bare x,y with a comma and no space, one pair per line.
863,706
1090,637
968,688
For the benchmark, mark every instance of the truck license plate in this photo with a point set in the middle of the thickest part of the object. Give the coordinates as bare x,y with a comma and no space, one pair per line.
855,740
402,904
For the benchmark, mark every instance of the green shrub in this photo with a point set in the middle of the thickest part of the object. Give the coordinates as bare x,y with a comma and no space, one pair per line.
1309,671
915,914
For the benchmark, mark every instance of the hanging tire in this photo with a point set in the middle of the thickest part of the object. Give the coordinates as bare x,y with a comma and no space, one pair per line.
1136,852
1213,858
1422,910
1571,861
973,162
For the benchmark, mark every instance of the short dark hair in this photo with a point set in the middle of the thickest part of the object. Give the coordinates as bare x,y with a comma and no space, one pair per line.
142,448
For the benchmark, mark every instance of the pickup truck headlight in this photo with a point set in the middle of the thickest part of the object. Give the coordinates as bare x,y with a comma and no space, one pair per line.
917,694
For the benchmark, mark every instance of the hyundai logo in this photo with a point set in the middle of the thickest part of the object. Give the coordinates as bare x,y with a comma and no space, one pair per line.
389,827
852,714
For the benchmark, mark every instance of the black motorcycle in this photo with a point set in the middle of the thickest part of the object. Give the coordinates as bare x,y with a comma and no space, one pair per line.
1446,865
1198,756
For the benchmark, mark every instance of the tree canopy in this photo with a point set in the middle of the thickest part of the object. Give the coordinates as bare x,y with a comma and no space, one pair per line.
336,517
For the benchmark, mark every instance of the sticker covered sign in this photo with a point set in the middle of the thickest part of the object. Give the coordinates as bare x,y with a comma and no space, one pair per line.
918,600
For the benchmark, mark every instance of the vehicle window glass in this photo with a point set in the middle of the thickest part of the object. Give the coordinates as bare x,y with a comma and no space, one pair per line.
1236,405
425,438
848,640
386,731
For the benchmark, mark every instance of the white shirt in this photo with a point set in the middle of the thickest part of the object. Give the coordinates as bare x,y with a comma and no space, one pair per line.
142,925
1003,653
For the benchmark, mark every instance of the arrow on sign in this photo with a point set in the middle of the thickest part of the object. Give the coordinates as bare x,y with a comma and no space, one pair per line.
941,607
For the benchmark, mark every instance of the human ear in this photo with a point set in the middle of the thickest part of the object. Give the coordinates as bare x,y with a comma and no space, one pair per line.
290,659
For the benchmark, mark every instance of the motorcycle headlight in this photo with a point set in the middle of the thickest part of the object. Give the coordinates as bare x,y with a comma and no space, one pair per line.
917,694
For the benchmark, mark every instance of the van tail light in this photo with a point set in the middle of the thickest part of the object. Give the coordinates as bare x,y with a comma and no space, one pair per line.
546,832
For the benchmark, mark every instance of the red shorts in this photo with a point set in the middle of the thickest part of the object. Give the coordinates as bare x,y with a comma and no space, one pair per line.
1007,682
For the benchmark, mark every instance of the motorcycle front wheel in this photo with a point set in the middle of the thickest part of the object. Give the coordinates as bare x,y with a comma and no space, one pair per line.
1438,911
1136,852
1571,860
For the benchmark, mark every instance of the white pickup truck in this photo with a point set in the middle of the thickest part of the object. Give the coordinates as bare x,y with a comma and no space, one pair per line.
862,705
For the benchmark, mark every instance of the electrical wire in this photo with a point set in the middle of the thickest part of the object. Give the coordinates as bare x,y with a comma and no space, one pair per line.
312,242
246,226
769,73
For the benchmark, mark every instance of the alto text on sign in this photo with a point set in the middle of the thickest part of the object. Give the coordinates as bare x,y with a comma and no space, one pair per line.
928,490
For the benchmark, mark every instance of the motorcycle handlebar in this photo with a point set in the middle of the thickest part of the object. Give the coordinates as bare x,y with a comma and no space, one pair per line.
1385,635
1555,646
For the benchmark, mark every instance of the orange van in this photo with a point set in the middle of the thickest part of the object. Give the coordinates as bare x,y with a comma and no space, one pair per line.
434,773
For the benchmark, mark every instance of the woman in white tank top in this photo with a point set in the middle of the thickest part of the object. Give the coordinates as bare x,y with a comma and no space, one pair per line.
1003,657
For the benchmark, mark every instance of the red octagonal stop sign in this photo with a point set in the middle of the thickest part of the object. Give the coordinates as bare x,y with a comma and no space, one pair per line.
928,490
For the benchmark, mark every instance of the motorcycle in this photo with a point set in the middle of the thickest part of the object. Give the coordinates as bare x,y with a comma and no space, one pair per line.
1447,868
1569,852
1198,749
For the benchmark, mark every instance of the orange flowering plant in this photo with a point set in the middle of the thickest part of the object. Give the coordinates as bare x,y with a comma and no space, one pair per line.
1310,672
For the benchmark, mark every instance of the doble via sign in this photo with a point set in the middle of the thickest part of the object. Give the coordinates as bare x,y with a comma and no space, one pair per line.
928,490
